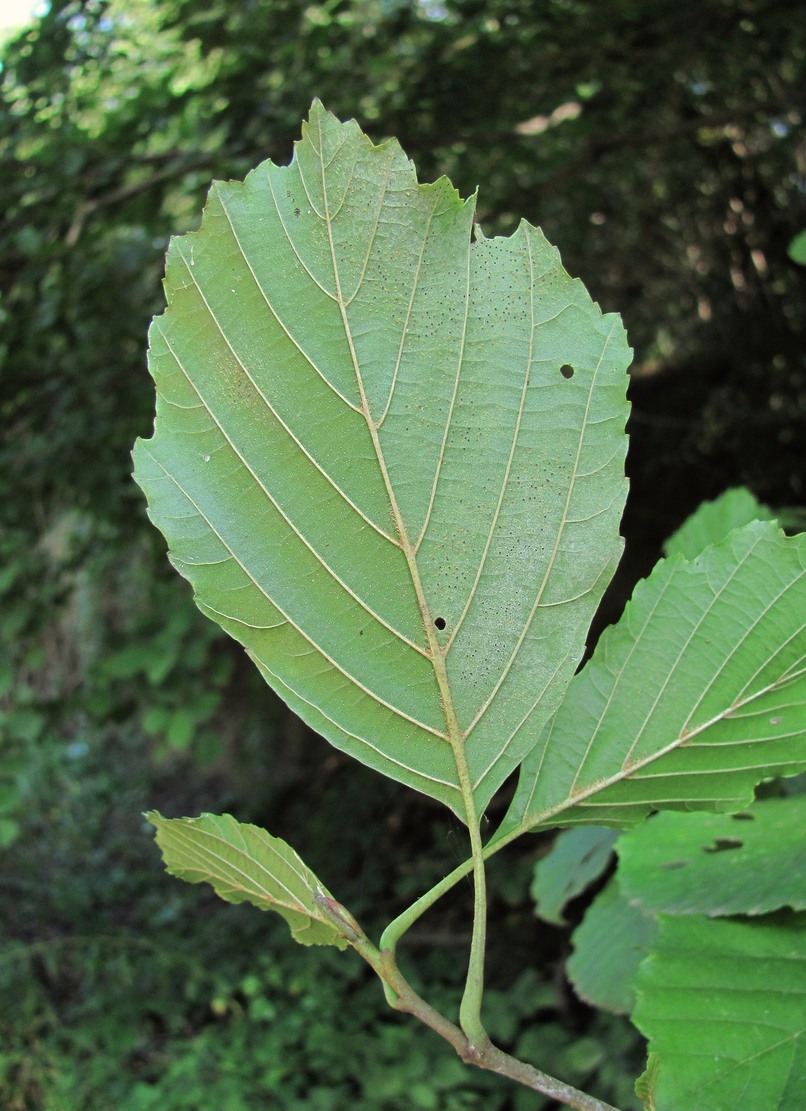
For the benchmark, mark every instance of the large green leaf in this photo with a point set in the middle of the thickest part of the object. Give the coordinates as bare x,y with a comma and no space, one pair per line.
388,457
693,697
718,864
245,864
723,1004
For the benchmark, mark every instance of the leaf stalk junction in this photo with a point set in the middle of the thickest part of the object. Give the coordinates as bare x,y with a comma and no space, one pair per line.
481,1053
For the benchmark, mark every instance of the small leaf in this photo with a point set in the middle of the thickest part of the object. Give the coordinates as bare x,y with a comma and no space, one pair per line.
10,794
609,945
647,1082
722,1003
797,248
577,858
9,831
718,864
244,863
713,520
697,694
389,456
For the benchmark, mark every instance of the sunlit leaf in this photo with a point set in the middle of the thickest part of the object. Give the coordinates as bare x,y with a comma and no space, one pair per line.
797,248
388,456
245,864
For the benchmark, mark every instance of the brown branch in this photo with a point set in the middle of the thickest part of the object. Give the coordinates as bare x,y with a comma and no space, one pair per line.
402,997
126,192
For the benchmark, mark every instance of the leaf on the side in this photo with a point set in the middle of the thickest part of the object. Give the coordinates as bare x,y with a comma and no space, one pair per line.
609,945
738,990
388,457
753,862
697,694
244,863
711,522
577,858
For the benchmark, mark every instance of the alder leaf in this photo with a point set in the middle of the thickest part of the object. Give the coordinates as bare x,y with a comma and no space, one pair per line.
718,864
697,694
627,932
578,856
713,520
388,456
245,864
722,1002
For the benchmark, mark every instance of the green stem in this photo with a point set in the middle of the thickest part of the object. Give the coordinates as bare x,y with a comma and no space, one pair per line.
470,1008
400,925
396,928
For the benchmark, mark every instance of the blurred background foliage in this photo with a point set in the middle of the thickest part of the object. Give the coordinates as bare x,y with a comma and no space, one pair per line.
660,144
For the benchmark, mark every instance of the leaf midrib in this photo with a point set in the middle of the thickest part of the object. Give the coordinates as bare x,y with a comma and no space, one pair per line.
453,735
193,851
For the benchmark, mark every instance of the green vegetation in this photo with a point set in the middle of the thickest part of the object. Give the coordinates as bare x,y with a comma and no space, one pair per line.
668,166
388,455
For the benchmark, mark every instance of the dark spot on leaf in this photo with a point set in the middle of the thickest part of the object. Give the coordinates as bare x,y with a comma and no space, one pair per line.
440,623
743,817
567,370
674,865
723,845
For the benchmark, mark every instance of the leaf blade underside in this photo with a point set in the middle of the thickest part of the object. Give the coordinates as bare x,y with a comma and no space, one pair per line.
389,458
695,696
245,864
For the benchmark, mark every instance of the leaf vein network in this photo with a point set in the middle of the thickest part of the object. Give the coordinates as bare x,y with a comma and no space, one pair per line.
295,625
383,753
557,543
286,428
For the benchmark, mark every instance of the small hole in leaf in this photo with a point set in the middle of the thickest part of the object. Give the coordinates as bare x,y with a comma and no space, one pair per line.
440,623
723,845
567,370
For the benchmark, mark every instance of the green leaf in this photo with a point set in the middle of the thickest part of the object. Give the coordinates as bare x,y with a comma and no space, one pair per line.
697,694
388,457
245,864
722,1003
10,794
797,248
713,520
609,945
577,858
9,832
717,864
